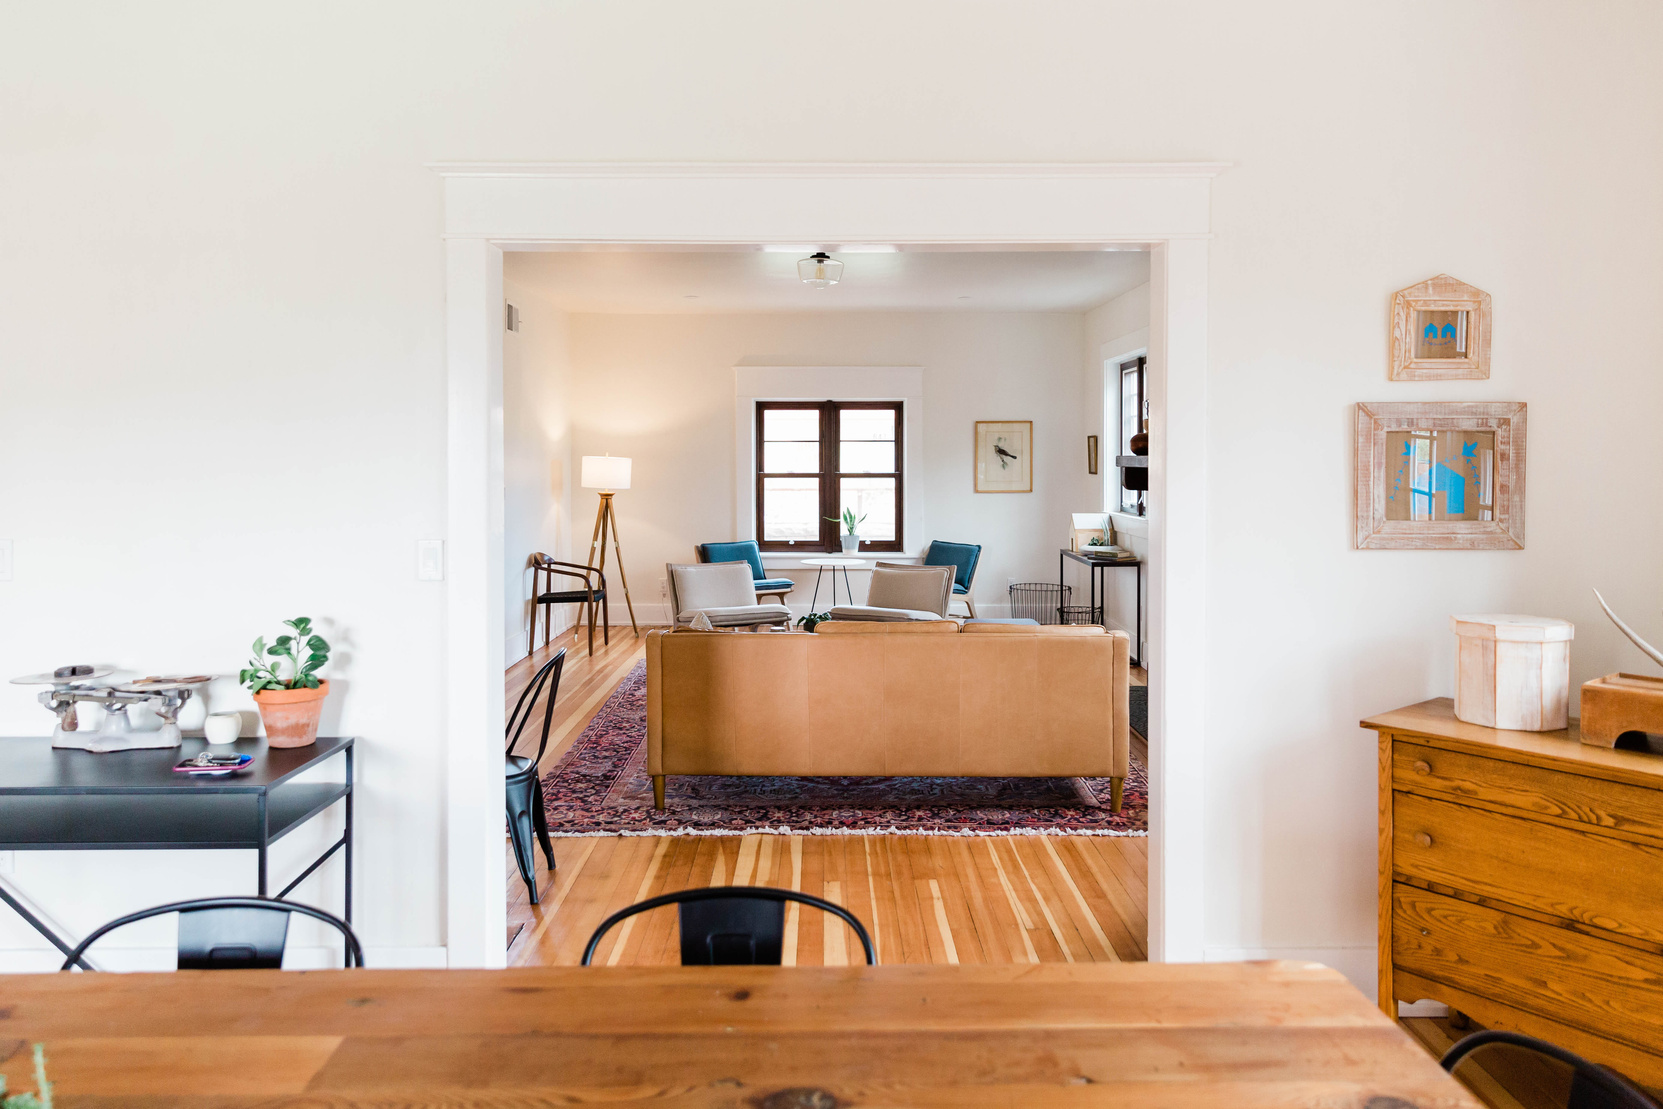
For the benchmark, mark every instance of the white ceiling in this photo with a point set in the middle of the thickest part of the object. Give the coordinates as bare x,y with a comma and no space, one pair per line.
667,280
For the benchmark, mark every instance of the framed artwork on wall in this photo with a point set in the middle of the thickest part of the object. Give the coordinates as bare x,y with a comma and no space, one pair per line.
1004,456
1441,331
1091,454
1446,475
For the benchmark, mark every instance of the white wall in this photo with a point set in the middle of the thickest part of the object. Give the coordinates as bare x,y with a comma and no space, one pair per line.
660,389
537,459
218,241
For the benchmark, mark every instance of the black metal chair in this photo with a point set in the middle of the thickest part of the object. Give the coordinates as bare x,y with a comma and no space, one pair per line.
589,598
228,933
1575,1083
524,780
733,925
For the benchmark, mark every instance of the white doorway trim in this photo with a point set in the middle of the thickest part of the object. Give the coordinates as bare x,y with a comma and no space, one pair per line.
489,208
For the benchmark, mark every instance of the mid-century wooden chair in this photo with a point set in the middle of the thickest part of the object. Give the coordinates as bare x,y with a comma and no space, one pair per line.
592,594
228,933
1559,1078
524,779
733,925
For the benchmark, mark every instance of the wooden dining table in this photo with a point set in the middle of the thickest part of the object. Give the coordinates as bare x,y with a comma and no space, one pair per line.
1224,1036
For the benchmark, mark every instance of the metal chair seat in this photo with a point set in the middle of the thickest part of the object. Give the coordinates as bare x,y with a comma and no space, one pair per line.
733,925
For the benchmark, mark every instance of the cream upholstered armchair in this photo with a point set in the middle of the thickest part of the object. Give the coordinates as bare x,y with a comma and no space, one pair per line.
903,592
725,592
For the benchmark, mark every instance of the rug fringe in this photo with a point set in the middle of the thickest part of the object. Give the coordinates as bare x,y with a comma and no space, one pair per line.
892,831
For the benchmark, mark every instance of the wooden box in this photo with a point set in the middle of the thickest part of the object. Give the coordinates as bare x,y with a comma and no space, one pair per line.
1513,672
1619,703
1519,884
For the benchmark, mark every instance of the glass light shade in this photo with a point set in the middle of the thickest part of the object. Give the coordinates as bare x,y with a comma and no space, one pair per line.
605,472
819,270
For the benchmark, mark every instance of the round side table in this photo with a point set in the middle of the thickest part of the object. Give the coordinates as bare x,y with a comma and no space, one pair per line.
833,564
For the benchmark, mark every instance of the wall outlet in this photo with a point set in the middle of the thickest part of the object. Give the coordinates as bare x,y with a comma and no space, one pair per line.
430,560
664,590
8,862
5,560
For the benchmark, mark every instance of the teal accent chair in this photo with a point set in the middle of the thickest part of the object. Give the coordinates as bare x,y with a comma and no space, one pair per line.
962,557
746,550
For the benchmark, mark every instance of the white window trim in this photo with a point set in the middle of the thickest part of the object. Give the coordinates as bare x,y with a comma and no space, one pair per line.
823,383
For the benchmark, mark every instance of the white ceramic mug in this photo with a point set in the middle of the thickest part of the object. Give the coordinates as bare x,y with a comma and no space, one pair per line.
223,727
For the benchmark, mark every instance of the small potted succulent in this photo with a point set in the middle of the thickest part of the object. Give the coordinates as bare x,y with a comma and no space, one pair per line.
290,706
850,522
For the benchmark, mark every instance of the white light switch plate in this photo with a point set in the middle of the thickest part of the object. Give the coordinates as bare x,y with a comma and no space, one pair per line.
430,560
5,560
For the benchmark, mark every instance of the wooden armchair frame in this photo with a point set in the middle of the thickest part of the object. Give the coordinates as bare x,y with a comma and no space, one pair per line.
592,594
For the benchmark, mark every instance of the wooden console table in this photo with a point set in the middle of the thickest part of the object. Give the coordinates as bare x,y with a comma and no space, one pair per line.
1244,1035
1520,882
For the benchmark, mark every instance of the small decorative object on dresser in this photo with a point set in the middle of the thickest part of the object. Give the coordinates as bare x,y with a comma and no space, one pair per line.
1445,475
1620,703
289,706
1513,671
1518,883
1441,331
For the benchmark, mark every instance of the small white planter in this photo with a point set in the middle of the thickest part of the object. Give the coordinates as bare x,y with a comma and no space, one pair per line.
1513,672
851,544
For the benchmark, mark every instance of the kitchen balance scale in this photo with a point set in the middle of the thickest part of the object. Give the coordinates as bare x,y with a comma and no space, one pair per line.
75,685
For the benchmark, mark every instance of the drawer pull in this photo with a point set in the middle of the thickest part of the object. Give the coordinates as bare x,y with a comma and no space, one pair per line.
1423,838
1422,767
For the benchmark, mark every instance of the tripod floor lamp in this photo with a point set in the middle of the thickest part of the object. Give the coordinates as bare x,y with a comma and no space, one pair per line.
608,474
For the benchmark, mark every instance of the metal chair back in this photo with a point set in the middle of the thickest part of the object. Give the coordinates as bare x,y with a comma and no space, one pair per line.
547,678
1557,1077
228,933
733,925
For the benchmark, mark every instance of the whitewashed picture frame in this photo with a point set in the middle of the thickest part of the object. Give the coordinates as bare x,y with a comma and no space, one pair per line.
1004,456
1496,482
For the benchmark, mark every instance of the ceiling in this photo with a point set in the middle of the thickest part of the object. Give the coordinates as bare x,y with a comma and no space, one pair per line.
670,280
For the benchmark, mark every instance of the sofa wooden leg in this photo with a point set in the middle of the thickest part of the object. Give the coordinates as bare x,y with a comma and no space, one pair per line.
658,792
1117,786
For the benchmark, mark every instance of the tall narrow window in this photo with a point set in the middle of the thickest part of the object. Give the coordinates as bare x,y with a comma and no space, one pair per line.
816,459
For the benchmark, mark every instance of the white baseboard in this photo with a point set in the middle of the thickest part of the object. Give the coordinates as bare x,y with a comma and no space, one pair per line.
1357,963
45,960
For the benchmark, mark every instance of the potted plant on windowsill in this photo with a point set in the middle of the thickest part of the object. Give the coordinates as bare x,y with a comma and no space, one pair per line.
289,706
850,522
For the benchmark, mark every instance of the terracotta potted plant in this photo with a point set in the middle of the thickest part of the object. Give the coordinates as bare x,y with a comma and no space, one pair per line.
290,706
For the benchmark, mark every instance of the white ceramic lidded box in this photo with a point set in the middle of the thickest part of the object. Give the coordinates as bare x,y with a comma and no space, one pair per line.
1512,671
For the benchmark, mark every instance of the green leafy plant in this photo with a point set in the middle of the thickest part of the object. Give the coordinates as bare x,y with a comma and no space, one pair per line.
306,653
807,622
40,1099
849,520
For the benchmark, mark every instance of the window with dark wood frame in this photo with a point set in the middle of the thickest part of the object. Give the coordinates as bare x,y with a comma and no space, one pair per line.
816,458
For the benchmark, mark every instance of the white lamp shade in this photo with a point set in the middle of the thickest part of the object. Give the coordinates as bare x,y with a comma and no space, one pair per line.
603,471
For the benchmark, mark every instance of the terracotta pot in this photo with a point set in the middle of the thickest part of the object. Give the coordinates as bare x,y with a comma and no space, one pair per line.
291,715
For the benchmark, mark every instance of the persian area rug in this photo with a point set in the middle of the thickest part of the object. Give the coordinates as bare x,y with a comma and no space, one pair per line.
601,787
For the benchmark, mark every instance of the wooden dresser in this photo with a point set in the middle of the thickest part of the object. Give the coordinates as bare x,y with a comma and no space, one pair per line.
1521,882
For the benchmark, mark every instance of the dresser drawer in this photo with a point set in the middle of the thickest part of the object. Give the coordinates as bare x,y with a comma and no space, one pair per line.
1596,880
1605,987
1533,789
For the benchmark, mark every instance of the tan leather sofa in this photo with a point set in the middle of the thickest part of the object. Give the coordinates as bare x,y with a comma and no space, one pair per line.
913,699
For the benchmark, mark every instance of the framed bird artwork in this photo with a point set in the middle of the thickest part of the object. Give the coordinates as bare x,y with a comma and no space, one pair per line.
1004,456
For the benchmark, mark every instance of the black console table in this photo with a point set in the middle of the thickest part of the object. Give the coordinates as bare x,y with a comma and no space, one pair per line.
1094,568
67,800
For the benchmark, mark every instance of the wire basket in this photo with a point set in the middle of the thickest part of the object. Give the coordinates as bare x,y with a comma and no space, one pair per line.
1042,601
1080,614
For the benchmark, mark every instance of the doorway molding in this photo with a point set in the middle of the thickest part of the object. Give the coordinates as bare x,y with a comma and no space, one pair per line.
490,208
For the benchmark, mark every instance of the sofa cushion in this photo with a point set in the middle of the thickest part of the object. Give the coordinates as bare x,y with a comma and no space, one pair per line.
877,614
739,616
712,585
977,627
886,627
921,588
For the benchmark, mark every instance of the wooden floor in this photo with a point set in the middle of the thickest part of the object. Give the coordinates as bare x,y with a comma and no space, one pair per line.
925,899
